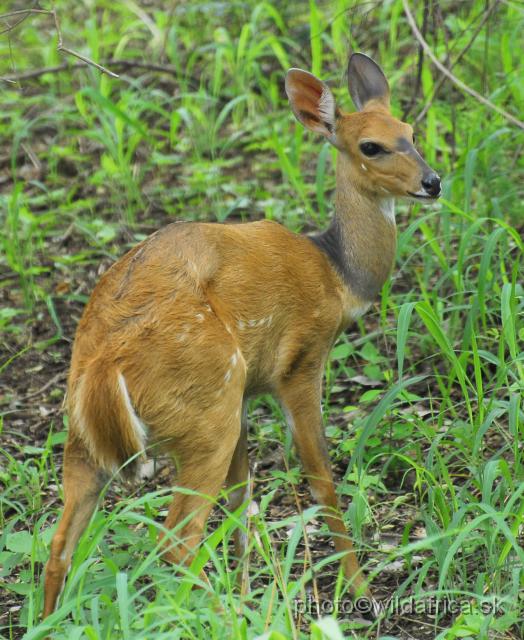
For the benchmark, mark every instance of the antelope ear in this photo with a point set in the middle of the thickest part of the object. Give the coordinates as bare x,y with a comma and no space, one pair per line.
312,102
367,82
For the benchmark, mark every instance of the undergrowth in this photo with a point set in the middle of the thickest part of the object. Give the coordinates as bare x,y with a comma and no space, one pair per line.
423,398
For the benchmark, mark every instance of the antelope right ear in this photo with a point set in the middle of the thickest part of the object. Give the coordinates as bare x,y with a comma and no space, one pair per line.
312,102
367,82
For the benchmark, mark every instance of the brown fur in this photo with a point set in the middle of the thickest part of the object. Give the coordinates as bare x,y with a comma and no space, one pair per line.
187,326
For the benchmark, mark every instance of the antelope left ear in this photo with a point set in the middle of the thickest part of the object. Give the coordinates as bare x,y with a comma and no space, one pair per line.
312,102
367,82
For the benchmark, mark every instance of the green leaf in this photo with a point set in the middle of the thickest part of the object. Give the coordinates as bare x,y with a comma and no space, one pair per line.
404,319
377,414
370,353
21,588
342,351
21,542
370,395
329,629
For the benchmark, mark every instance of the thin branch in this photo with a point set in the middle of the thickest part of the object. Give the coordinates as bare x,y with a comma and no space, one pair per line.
459,57
65,66
59,376
88,61
36,73
420,65
461,85
21,12
26,12
75,53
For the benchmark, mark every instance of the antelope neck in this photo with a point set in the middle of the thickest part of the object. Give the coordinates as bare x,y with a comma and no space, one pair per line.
361,239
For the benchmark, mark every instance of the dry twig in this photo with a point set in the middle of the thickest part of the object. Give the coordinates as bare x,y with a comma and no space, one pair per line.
27,12
125,64
461,85
459,57
59,376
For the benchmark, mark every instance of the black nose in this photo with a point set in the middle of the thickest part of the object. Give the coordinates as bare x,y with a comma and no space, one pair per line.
431,184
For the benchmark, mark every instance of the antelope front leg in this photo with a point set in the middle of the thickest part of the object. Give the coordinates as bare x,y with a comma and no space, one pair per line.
300,397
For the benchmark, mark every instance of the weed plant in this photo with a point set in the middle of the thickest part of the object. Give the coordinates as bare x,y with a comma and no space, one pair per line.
423,397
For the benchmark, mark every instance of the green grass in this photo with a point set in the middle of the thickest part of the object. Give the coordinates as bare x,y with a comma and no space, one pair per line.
423,398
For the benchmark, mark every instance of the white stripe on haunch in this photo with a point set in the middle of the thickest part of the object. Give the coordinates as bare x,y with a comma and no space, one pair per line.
138,426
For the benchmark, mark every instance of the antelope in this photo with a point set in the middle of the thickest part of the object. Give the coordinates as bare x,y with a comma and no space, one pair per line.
199,317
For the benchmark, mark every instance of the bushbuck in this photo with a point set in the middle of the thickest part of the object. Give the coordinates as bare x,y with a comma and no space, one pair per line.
198,318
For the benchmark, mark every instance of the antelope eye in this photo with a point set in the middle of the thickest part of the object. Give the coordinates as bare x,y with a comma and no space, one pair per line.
371,149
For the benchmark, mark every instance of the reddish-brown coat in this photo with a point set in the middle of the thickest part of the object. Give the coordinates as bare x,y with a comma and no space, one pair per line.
199,317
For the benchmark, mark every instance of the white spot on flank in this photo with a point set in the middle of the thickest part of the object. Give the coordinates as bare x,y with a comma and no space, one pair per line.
244,324
138,426
227,377
199,317
192,266
364,168
387,206
234,359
